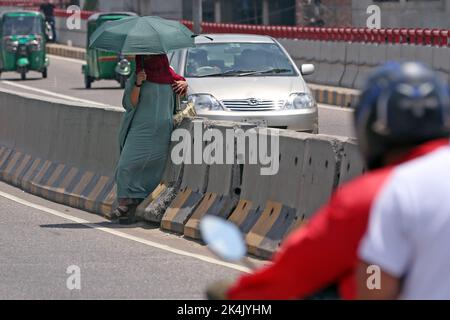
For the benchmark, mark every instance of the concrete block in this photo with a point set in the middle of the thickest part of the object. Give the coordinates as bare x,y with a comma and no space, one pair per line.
349,76
62,151
320,173
408,52
224,180
424,54
393,53
352,164
280,210
192,188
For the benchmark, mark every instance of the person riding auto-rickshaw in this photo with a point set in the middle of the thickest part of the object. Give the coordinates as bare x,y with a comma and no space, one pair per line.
22,42
102,64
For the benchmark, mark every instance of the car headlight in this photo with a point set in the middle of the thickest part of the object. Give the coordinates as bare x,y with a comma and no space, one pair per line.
300,101
204,102
11,45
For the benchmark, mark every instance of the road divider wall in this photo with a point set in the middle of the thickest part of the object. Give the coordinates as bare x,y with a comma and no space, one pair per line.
67,152
59,150
347,64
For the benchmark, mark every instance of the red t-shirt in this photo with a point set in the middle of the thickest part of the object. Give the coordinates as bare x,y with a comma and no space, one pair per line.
324,251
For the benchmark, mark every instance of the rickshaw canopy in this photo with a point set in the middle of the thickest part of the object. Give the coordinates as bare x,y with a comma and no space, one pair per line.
20,23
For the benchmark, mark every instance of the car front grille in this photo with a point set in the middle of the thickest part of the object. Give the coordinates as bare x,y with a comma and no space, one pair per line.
252,104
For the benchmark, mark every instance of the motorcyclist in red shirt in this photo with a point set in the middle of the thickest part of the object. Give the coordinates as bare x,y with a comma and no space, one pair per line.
403,113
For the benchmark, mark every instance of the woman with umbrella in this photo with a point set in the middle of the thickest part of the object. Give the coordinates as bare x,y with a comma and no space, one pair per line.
149,101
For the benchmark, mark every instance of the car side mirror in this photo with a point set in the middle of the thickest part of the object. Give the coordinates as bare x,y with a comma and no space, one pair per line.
307,69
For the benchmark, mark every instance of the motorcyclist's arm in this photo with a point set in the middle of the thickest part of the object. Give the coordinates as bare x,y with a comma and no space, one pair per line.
312,258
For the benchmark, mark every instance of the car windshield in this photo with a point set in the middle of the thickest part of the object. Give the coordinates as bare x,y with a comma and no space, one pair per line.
21,25
237,59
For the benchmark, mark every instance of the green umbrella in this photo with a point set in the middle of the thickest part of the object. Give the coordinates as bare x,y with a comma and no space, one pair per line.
142,35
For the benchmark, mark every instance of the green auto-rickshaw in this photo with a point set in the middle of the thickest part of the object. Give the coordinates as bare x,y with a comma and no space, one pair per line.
102,64
22,42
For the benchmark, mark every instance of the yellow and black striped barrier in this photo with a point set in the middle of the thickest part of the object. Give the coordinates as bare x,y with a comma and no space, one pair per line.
58,182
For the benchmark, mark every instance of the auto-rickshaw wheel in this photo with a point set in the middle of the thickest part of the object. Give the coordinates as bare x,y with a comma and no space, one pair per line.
44,73
87,81
23,75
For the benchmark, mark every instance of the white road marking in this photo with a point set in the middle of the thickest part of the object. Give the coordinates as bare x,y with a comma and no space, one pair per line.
125,235
330,107
57,95
78,61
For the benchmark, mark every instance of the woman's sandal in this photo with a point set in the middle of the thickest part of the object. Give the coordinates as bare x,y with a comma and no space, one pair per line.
125,214
119,212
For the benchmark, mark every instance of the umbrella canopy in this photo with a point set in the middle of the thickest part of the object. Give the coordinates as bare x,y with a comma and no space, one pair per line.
142,35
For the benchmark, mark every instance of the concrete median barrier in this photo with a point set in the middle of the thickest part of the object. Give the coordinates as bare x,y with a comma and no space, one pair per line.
224,181
352,164
276,211
66,51
320,172
193,185
352,58
254,188
337,64
372,55
441,62
59,150
308,173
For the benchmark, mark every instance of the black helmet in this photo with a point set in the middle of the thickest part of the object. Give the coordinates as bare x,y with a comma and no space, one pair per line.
401,105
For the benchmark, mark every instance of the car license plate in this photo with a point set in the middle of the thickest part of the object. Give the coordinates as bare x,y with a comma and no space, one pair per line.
257,122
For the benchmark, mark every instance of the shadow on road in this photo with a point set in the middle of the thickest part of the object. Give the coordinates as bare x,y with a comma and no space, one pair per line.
20,80
105,224
97,88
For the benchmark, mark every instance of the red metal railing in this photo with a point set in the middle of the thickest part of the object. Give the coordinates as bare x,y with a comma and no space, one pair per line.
434,37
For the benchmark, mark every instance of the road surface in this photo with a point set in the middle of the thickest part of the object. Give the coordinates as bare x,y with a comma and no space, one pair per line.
40,240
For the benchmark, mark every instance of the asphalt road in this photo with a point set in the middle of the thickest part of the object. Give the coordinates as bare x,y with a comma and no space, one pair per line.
65,80
40,240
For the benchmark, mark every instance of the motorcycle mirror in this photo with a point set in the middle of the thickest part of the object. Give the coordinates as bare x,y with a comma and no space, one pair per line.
123,67
223,238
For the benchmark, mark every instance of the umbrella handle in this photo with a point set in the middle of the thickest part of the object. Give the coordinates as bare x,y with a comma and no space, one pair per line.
142,62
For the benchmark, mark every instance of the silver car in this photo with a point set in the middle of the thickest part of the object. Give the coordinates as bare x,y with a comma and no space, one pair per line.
247,78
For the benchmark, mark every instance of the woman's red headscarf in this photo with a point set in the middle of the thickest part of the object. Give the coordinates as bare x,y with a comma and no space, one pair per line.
157,68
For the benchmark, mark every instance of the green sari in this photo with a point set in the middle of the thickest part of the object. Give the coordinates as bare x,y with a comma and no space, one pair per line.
144,139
